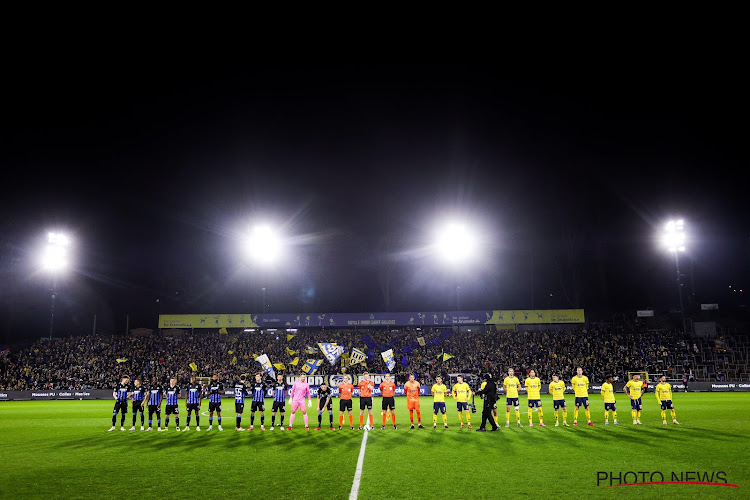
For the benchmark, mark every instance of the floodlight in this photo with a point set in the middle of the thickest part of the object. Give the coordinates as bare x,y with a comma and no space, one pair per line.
674,236
455,242
55,255
264,245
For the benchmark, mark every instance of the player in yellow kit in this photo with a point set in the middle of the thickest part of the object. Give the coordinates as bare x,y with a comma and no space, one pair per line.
634,390
581,387
462,393
438,401
608,394
533,389
511,384
664,397
557,389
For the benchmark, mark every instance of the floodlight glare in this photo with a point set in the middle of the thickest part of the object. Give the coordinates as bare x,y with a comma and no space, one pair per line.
674,236
55,256
264,245
455,243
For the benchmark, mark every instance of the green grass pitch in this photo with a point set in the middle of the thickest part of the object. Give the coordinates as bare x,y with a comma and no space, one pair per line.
61,449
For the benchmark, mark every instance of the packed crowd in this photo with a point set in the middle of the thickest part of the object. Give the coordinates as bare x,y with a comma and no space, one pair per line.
95,361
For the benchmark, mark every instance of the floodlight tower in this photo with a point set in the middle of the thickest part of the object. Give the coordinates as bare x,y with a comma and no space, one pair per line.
55,262
674,239
265,248
456,245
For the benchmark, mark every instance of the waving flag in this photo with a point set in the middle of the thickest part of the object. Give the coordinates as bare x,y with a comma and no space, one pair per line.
290,352
279,366
194,366
294,361
223,331
356,356
121,360
388,358
310,350
289,336
331,351
311,365
447,356
421,341
266,364
234,360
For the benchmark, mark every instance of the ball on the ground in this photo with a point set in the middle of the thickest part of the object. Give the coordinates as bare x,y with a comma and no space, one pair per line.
367,427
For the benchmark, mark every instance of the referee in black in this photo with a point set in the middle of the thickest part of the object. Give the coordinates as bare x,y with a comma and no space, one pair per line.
489,393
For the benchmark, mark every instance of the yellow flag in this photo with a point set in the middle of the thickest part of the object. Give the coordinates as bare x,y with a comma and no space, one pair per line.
447,356
279,366
290,352
294,361
121,360
234,360
223,331
289,337
230,352
255,356
234,340
194,366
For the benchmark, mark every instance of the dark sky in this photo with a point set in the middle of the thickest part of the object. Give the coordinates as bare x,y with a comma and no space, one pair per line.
567,165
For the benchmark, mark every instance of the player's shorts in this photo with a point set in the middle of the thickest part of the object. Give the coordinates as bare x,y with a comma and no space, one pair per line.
345,404
666,404
462,406
193,407
322,406
279,406
154,409
636,403
582,402
214,407
388,403
610,406
365,402
535,403
258,406
438,408
239,407
558,403
412,404
172,410
121,406
511,401
298,405
137,406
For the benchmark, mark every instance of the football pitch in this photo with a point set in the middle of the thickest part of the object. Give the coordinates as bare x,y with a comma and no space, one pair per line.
61,449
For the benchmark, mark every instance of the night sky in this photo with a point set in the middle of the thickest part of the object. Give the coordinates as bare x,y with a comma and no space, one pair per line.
566,166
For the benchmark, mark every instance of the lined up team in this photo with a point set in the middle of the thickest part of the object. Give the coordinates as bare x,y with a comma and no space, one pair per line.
151,400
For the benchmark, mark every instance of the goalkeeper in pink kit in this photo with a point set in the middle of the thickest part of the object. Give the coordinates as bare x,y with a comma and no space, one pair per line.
300,389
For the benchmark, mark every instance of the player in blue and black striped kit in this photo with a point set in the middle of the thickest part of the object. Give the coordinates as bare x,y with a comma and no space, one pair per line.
194,395
259,401
280,390
173,396
121,402
215,390
240,393
155,395
139,396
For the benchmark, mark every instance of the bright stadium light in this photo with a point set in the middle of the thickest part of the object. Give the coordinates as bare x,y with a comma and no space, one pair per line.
674,236
264,245
455,242
55,254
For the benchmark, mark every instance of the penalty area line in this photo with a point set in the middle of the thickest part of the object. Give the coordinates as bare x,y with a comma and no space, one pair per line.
358,472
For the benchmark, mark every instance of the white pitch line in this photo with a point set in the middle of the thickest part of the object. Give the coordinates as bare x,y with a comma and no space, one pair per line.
358,472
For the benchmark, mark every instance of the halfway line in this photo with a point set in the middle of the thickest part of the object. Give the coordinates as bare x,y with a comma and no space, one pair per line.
358,472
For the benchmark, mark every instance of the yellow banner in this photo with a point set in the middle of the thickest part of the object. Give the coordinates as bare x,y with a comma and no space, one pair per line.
208,321
535,316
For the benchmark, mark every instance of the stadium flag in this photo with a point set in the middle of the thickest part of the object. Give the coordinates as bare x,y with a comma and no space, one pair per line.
294,361
255,356
230,352
266,364
290,352
121,360
223,331
279,366
234,360
345,360
421,341
331,350
447,356
356,356
289,336
311,350
388,358
311,365
194,366
235,340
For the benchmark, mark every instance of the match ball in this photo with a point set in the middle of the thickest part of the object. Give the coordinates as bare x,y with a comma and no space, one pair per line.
367,427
